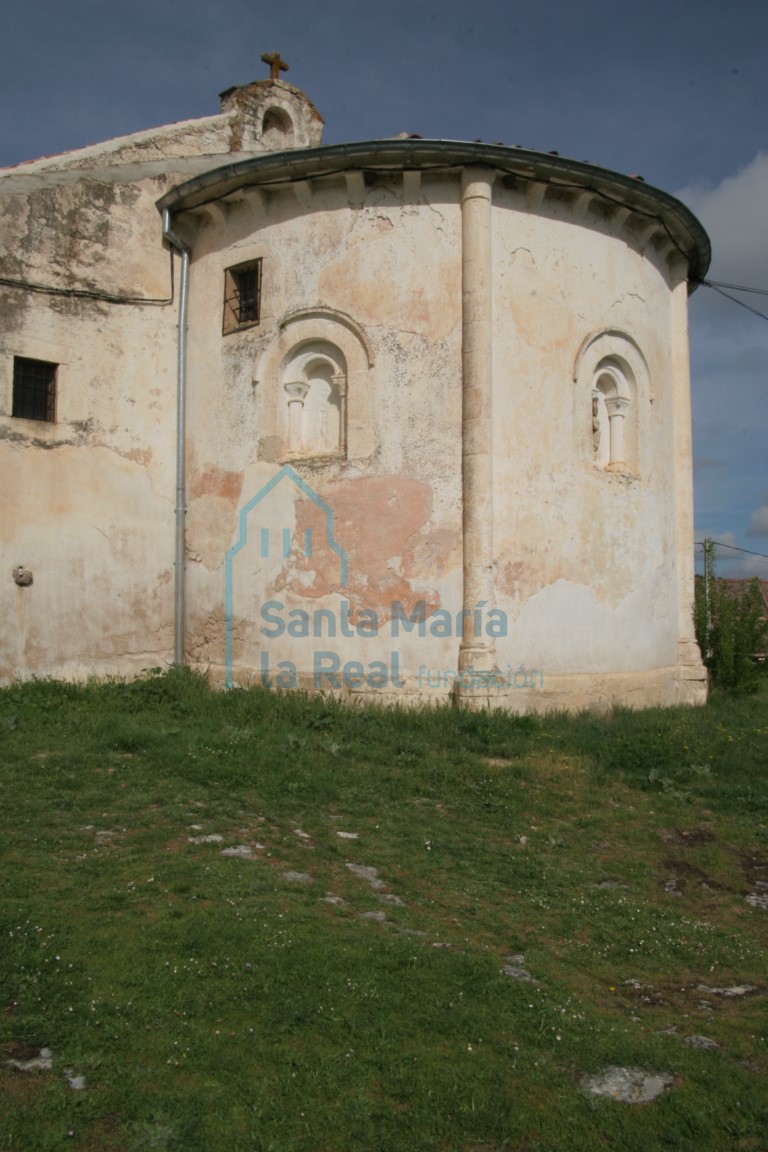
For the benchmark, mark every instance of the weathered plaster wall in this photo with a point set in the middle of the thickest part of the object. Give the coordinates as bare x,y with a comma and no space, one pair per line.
585,556
324,552
333,271
89,497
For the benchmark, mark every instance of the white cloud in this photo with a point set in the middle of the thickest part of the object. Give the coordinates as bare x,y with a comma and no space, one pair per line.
733,213
758,521
727,538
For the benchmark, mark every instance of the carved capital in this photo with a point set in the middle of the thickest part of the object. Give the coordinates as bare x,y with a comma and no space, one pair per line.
616,405
296,391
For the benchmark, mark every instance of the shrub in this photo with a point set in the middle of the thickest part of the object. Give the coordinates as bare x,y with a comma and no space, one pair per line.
730,631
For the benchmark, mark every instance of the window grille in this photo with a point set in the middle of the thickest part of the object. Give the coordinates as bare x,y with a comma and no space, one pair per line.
242,296
34,389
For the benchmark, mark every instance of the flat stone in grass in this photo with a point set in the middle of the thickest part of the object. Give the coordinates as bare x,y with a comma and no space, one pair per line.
243,851
331,898
41,1063
730,992
370,875
518,973
390,898
211,838
701,1042
298,877
378,917
347,835
628,1085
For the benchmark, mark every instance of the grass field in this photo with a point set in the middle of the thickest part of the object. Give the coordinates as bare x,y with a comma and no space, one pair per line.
280,1000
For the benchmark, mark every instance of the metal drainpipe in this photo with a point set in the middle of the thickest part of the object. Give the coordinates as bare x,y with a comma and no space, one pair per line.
181,421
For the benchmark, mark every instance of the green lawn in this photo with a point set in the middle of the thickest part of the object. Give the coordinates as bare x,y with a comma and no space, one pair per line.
211,1003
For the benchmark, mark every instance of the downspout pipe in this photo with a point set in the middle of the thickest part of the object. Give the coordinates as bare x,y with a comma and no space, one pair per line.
181,434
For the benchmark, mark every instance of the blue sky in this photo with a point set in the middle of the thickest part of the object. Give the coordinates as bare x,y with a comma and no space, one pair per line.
676,91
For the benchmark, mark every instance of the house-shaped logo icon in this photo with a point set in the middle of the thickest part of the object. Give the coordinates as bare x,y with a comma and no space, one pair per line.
267,542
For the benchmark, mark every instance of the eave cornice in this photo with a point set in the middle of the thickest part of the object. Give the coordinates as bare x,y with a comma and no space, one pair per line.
389,156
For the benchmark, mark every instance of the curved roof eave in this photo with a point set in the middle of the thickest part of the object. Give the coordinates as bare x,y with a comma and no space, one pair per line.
681,225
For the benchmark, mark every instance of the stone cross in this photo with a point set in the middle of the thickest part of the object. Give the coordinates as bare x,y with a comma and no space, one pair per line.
275,63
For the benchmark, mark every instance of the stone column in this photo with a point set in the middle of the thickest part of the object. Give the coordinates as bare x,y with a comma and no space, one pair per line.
616,407
477,653
693,675
296,392
596,429
341,387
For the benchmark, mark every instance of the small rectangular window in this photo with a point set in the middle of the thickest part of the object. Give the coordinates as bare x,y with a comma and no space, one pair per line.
34,389
242,296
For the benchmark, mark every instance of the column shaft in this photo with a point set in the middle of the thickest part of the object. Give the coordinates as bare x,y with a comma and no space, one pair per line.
688,652
477,428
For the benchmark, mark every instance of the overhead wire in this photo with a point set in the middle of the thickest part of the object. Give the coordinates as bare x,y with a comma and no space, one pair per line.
90,293
735,287
733,548
716,288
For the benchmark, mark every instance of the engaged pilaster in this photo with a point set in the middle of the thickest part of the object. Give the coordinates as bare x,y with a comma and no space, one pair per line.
477,653
693,688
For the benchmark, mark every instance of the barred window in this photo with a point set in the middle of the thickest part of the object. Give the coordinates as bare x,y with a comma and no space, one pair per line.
242,296
34,389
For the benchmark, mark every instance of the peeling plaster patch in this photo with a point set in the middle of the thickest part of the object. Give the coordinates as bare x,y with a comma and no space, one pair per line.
215,481
428,299
141,456
599,634
379,520
206,638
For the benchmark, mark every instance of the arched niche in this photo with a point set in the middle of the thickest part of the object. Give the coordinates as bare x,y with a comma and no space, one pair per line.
277,130
312,419
612,391
313,389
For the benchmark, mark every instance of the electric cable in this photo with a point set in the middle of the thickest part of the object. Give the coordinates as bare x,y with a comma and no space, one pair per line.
733,548
91,293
